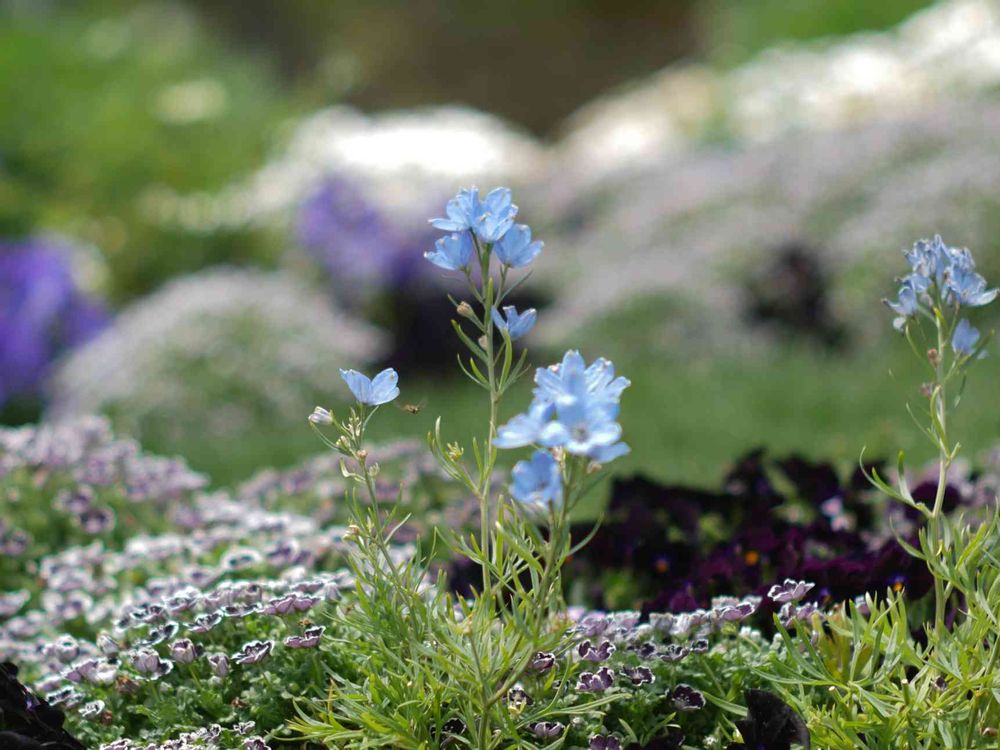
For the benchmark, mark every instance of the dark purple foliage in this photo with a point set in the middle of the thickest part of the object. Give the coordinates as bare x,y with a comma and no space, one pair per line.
771,724
29,722
654,531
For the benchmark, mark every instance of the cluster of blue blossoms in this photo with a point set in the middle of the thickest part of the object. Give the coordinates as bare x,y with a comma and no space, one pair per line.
478,229
575,408
943,277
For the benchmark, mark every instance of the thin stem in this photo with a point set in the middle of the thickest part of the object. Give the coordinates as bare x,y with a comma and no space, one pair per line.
935,522
488,459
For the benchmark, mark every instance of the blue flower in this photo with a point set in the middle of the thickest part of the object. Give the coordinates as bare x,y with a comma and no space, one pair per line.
524,429
966,287
515,249
516,324
538,481
575,408
965,338
463,210
933,260
497,214
489,217
905,305
598,379
585,427
452,253
380,390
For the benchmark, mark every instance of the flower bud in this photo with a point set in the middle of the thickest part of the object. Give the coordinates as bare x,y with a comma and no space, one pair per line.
362,455
219,664
465,310
183,651
482,342
321,416
926,389
353,533
934,357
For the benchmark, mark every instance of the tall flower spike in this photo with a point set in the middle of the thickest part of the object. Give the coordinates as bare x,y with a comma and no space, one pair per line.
380,390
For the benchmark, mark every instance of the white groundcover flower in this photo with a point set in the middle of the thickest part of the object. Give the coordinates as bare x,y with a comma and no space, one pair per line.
225,349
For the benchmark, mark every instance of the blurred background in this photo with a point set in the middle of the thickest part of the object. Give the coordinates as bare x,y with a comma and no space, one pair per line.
206,208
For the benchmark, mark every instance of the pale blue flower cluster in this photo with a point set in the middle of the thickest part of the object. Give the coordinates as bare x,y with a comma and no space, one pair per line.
576,409
481,228
941,276
488,218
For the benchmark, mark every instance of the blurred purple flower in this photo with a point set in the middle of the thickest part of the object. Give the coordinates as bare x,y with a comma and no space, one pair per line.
42,314
356,243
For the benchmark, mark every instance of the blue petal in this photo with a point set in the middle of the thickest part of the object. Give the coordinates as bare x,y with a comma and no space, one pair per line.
965,338
359,384
383,387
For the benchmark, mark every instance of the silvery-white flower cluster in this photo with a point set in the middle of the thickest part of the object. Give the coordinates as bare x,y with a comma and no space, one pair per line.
405,159
264,339
409,160
211,737
697,223
617,652
86,478
948,50
220,585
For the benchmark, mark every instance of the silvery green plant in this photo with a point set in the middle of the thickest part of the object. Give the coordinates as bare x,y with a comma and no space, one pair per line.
876,674
440,669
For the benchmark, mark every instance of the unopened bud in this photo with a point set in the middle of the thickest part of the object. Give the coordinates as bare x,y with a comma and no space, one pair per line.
465,310
593,467
455,451
321,416
353,533
362,455
926,389
482,341
934,357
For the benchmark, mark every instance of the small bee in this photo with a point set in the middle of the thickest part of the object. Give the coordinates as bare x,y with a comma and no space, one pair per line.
413,408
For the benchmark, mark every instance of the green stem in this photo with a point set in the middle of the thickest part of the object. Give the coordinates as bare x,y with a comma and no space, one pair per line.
486,474
935,523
